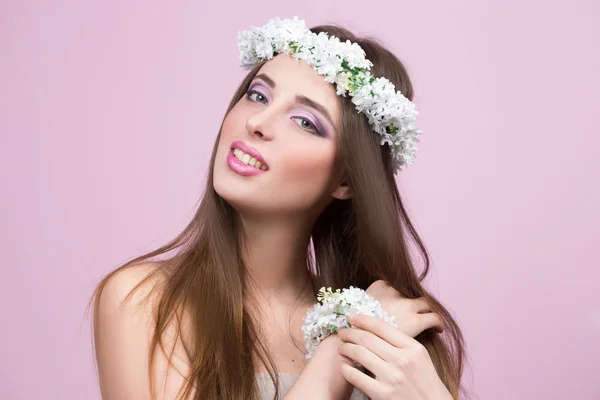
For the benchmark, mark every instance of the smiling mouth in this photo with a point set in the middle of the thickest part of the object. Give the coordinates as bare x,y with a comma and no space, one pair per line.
248,159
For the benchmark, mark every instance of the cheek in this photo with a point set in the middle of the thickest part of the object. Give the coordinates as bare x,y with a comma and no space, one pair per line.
234,125
306,172
233,122
308,163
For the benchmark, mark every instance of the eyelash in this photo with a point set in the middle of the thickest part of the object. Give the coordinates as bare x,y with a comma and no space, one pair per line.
250,92
314,129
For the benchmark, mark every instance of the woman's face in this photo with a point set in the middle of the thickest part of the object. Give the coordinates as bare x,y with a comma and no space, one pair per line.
289,119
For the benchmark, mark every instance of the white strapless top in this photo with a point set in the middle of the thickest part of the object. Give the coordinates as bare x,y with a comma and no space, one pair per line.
267,388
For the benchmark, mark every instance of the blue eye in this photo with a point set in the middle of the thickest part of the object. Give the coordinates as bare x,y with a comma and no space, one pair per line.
256,96
307,125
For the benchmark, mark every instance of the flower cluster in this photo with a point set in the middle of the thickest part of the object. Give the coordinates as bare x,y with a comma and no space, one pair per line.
344,64
330,315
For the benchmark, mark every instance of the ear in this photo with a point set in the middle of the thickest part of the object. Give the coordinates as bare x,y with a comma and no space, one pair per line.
342,192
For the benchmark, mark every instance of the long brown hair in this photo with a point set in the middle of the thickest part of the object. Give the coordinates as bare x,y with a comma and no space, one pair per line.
354,242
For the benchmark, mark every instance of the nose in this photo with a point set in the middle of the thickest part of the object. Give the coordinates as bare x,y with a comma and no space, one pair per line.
262,123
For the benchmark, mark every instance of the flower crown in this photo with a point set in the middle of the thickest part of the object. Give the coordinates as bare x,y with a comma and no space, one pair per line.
389,112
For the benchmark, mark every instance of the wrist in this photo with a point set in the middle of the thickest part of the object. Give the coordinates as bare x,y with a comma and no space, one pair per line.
321,377
330,360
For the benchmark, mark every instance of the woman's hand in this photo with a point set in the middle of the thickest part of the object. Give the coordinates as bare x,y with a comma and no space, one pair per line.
401,365
413,316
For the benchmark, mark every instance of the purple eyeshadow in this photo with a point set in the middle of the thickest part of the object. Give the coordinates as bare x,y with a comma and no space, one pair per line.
259,88
315,121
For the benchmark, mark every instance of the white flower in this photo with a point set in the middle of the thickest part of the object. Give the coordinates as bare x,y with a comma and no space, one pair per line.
343,83
331,314
344,64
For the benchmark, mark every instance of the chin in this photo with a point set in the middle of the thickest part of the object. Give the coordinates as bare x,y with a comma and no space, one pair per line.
241,195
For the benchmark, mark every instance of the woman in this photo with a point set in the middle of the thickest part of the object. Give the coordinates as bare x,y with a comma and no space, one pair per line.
300,194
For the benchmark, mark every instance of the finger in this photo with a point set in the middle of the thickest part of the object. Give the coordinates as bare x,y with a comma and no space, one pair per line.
379,347
364,357
369,386
384,330
431,320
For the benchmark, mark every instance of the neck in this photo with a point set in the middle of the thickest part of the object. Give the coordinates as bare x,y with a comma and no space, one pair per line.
274,252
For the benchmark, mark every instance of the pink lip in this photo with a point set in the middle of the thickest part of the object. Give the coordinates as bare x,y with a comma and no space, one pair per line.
241,168
238,144
238,166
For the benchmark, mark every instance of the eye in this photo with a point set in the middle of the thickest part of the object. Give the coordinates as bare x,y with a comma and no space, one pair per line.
256,96
307,125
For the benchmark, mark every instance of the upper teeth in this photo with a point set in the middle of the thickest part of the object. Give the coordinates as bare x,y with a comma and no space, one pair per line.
248,159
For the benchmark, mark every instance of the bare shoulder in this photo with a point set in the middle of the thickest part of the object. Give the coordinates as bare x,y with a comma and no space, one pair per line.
130,289
123,333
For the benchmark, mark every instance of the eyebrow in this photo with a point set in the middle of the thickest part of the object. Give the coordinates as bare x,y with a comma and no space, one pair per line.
300,99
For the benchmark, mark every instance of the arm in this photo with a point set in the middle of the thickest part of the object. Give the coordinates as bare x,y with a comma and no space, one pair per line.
321,378
122,338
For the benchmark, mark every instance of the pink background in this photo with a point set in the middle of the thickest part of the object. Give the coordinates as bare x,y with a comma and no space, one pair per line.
108,112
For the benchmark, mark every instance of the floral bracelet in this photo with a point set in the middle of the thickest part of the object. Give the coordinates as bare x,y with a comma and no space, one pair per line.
330,315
